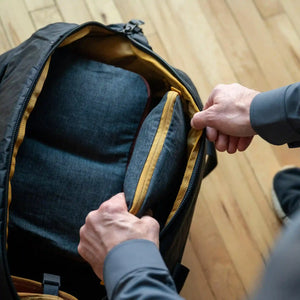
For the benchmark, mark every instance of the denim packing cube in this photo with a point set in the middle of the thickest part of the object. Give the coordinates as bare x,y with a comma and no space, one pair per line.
169,167
73,158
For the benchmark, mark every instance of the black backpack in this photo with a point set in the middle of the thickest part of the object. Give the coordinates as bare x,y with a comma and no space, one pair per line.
87,111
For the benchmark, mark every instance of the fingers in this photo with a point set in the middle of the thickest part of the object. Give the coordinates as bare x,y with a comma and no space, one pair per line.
244,143
221,142
231,144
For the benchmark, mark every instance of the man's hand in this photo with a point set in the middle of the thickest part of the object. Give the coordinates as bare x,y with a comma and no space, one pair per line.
109,226
226,115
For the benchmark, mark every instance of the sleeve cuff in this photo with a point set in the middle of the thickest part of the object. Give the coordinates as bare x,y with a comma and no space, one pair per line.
269,115
127,257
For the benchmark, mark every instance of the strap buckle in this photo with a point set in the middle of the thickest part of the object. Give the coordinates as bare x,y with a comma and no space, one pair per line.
51,284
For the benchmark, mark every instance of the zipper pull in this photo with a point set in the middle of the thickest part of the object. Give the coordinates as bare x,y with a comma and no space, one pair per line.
133,27
135,33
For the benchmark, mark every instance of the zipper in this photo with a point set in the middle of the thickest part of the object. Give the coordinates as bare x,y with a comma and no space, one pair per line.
132,27
195,174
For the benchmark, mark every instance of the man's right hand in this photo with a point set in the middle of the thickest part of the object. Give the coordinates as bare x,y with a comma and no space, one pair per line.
226,116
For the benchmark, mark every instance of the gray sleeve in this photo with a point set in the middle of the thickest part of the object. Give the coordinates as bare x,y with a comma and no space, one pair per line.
135,270
275,115
280,280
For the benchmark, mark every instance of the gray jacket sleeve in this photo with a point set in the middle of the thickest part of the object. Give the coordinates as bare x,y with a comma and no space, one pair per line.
135,270
281,278
275,115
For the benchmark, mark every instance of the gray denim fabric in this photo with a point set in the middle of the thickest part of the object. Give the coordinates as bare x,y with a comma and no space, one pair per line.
73,158
170,166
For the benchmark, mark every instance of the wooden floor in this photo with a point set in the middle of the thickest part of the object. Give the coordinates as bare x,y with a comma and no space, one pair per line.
253,42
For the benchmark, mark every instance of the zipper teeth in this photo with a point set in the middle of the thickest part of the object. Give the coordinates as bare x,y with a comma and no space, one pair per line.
195,173
154,153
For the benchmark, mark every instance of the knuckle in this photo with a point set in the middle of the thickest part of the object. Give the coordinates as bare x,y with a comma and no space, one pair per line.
79,248
151,222
108,207
90,218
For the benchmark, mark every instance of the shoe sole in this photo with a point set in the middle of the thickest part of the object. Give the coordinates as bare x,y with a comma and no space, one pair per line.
278,210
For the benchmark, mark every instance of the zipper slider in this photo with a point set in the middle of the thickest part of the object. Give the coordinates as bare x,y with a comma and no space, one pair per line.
133,27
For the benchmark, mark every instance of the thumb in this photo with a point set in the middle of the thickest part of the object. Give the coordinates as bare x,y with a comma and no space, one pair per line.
200,120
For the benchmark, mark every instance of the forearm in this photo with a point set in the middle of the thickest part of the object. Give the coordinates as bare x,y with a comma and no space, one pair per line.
135,270
275,115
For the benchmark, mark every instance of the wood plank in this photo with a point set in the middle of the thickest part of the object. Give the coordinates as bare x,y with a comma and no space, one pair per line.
262,200
292,8
228,33
74,11
188,46
233,229
244,191
256,33
104,11
287,42
38,4
269,8
15,21
264,165
287,156
212,256
197,286
4,45
43,17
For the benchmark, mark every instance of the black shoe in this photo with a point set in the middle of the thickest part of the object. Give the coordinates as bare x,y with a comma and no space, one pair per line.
286,193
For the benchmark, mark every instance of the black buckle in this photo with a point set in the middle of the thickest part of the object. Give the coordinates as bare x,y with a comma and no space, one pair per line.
51,284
